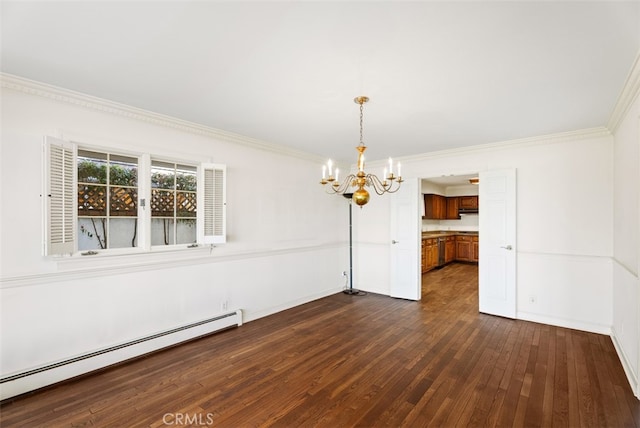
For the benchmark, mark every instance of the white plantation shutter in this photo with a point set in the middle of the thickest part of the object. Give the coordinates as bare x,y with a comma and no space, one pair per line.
212,204
59,196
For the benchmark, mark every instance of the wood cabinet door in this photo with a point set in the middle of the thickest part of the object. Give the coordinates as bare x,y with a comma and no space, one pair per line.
434,206
468,202
463,250
429,206
430,263
475,249
441,207
435,254
450,250
452,208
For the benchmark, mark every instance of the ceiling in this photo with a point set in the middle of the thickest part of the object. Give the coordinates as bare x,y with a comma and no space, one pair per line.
440,75
452,180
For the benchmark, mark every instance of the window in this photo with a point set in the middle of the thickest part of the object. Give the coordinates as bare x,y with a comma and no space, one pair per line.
95,201
107,201
173,203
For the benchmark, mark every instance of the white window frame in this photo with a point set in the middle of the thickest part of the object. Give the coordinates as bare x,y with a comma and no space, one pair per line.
174,190
68,245
110,154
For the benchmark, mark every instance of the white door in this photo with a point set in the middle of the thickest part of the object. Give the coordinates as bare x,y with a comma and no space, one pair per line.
497,262
405,241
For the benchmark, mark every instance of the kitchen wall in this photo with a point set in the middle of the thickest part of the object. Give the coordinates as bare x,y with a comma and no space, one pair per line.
282,250
467,222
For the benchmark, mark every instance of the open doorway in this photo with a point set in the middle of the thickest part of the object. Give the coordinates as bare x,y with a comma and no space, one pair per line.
450,231
495,251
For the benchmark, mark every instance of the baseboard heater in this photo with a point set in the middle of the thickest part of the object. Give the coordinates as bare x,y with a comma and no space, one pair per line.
30,380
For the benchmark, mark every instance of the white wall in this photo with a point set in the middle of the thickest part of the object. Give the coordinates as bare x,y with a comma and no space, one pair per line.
626,241
286,238
564,224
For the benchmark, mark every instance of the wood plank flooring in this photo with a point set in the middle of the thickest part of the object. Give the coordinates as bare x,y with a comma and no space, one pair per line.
364,361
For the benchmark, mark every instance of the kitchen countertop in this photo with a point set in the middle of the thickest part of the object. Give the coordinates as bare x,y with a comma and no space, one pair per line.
439,233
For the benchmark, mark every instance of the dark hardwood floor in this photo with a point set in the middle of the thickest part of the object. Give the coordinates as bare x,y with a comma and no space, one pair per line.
365,361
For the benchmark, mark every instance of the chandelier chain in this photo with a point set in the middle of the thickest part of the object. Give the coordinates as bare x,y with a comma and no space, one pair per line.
361,116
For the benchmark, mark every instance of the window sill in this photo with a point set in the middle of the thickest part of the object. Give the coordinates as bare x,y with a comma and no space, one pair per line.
132,258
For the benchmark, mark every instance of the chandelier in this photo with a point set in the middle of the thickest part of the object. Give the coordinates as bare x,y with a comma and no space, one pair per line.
389,183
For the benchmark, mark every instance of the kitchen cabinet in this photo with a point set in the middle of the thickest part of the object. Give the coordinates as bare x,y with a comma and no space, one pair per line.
432,253
468,202
450,249
463,248
467,248
457,247
423,256
475,252
435,206
452,208
429,254
438,207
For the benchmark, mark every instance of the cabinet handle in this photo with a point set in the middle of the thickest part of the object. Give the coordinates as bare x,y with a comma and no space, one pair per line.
393,241
508,247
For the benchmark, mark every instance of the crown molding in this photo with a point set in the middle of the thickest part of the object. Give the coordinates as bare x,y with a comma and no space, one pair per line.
90,102
627,97
561,137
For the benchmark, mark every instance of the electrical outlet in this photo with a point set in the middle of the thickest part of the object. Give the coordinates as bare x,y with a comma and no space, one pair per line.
532,299
225,305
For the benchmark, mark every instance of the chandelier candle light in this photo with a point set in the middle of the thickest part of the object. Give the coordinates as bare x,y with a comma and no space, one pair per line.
390,183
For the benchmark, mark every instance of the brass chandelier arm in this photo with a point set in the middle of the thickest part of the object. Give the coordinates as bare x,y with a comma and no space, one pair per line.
332,187
369,180
386,186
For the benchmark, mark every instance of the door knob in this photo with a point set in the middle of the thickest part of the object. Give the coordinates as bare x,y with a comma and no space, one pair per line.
508,247
393,241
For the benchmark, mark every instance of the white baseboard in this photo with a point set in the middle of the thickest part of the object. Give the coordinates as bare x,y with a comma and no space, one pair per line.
628,368
560,322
